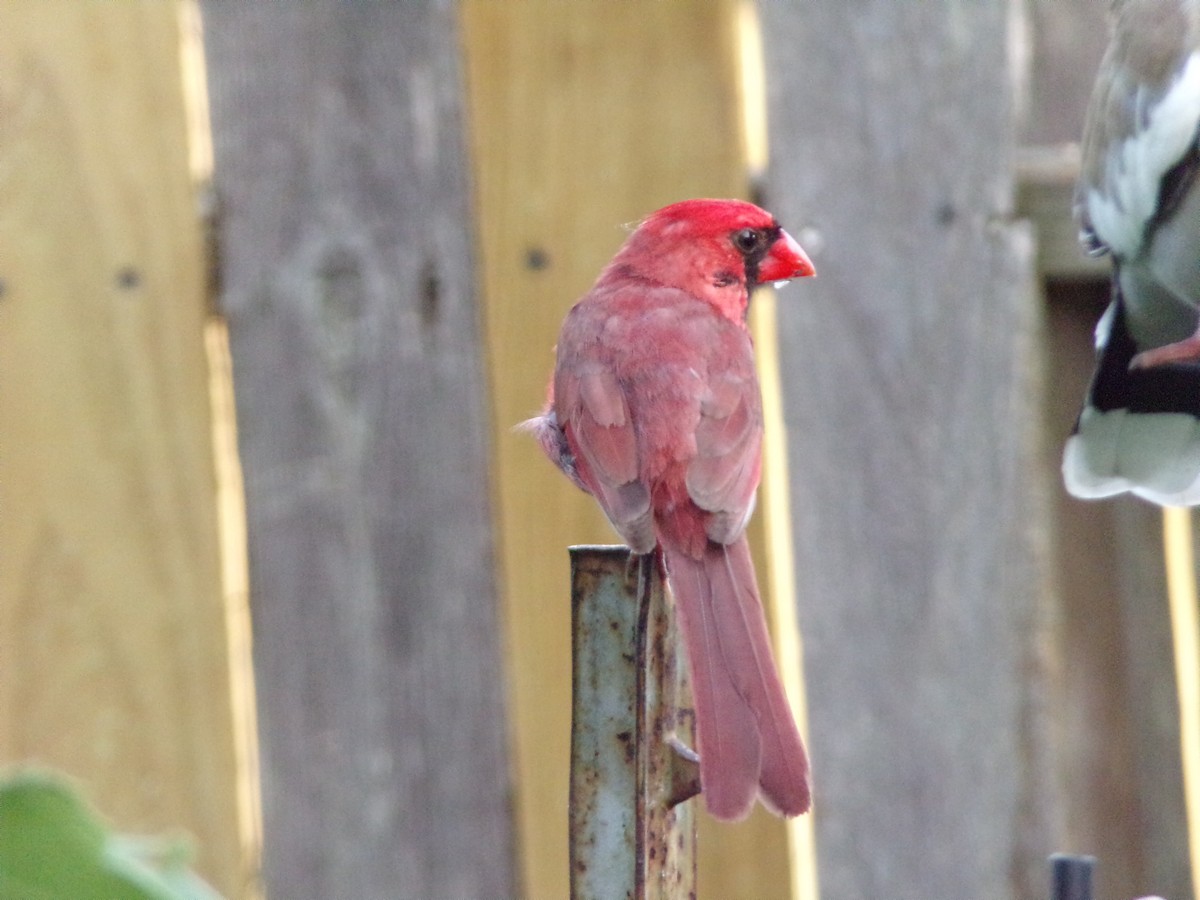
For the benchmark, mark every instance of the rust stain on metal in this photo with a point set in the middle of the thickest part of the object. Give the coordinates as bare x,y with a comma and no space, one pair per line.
667,830
630,833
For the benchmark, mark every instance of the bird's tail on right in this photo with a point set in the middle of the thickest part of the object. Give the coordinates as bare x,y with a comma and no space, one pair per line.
1139,431
747,738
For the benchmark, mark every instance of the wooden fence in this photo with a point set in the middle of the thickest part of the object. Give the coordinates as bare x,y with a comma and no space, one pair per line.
387,208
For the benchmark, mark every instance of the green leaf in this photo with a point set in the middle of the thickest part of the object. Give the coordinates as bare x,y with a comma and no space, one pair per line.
53,845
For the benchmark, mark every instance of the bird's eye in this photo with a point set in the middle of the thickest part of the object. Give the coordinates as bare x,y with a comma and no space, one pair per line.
747,240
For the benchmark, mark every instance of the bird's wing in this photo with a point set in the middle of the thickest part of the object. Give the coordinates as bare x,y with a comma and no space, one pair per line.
1140,133
722,477
594,413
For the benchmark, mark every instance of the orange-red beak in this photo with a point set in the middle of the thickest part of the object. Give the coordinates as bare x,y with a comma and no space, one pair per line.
786,259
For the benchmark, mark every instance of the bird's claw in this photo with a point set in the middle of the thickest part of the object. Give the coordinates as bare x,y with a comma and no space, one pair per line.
684,781
1185,351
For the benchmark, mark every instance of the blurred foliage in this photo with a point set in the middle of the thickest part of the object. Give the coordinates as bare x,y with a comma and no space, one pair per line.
54,846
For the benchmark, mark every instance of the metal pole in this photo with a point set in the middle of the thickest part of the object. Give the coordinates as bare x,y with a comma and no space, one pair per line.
631,723
1071,877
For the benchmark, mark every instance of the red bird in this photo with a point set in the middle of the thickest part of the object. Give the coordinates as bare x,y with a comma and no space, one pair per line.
654,410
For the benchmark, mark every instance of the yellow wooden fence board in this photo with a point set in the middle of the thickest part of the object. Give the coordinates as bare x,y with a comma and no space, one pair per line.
1180,562
583,116
113,661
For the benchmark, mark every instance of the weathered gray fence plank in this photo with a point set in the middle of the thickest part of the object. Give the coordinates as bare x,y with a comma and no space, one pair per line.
912,400
347,276
1067,39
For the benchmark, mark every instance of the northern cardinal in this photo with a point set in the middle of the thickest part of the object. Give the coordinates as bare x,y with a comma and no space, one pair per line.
654,409
1137,198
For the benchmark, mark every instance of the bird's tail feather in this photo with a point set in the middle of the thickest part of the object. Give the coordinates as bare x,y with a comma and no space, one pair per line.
747,738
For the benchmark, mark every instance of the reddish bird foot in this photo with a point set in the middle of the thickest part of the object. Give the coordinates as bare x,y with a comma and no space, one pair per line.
1187,350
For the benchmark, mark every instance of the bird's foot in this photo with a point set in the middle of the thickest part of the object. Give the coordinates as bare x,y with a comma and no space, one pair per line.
684,783
1187,350
638,569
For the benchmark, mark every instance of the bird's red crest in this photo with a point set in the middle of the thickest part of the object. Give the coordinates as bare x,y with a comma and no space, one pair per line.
715,250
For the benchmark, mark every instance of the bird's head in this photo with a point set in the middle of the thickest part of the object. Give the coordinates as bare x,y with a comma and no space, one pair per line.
717,250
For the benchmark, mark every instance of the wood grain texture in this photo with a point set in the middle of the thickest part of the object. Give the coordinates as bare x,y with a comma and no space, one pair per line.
1062,42
1045,196
1066,39
347,281
911,391
113,664
583,117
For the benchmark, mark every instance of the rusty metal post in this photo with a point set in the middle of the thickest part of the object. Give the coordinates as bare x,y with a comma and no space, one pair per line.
1071,877
631,723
